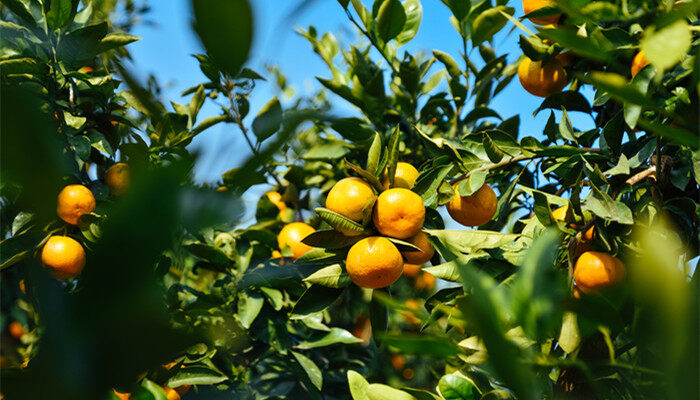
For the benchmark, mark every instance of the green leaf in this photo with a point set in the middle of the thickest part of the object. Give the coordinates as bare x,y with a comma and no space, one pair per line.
489,22
115,40
154,389
366,175
311,369
226,31
315,299
414,14
196,375
330,276
603,206
81,145
20,222
678,135
449,271
459,8
338,221
473,183
568,99
59,12
18,8
471,241
456,387
665,47
640,81
565,129
17,248
377,391
390,19
569,337
269,120
329,239
330,150
622,167
336,335
80,45
207,123
423,344
374,155
249,306
617,87
449,63
358,386
595,47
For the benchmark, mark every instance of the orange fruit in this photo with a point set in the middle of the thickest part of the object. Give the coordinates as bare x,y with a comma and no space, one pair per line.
86,70
566,58
118,179
221,189
532,5
426,281
16,329
374,263
292,235
412,305
542,80
404,177
595,271
276,199
352,198
276,254
64,255
122,396
363,329
638,62
560,215
398,361
181,390
408,373
171,394
399,213
74,201
474,210
22,287
419,257
411,270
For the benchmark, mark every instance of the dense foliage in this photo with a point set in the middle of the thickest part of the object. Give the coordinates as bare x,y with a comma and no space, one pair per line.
179,297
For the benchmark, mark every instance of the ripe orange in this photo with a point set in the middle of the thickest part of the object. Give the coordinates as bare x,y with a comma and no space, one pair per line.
532,5
363,329
276,254
640,61
276,199
411,270
408,374
542,80
171,394
412,305
560,215
16,329
86,69
566,58
474,210
64,255
122,396
426,281
352,198
74,201
398,361
405,176
292,235
399,213
374,263
417,257
181,390
222,189
595,271
118,179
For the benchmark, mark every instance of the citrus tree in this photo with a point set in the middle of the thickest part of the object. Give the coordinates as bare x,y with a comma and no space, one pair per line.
422,243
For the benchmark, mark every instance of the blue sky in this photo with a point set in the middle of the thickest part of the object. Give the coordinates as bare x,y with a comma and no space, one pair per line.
166,49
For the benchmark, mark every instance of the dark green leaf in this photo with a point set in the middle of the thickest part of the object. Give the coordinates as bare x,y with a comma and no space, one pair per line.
269,120
390,19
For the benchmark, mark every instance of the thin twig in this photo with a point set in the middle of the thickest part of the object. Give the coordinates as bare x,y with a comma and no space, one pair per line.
371,40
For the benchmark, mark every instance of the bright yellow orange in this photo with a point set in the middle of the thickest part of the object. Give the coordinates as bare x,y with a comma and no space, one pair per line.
560,215
171,394
374,263
122,396
16,329
405,177
426,281
411,270
64,255
542,80
276,254
276,199
74,201
292,235
118,179
222,189
532,5
86,69
398,361
399,213
474,210
595,271
640,61
352,198
421,241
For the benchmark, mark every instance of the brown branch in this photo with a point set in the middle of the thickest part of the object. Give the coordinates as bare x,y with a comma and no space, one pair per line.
649,172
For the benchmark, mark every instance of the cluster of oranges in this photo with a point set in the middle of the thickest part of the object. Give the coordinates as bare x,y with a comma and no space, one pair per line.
63,254
593,271
396,213
544,78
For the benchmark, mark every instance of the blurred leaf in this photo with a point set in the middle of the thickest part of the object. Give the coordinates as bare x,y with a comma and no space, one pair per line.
16,248
593,47
58,13
433,346
315,299
414,14
617,87
665,47
569,337
249,306
377,391
456,387
268,120
226,31
678,135
640,81
196,375
489,22
358,386
391,19
336,335
329,150
115,40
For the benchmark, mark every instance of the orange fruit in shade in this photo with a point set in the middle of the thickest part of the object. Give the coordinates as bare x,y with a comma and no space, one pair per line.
421,241
292,235
566,58
560,215
374,263
399,213
411,270
22,287
532,5
171,394
181,390
74,201
86,70
64,255
595,271
405,176
362,329
540,79
408,374
398,361
638,62
118,179
352,198
16,329
426,281
412,305
122,396
474,210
